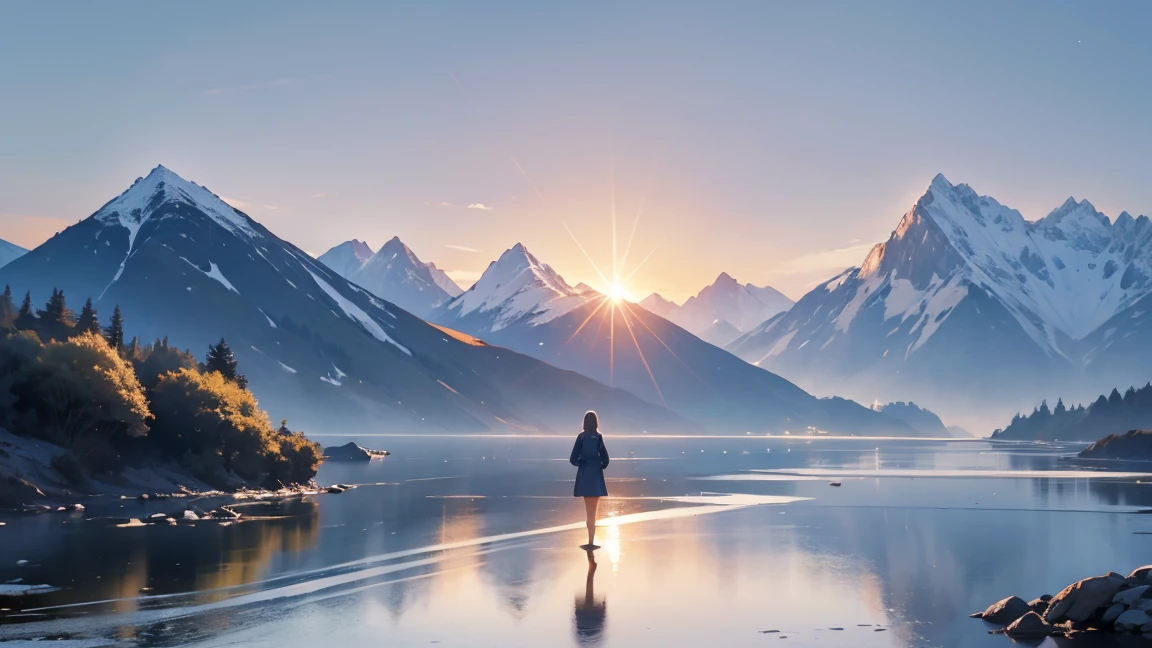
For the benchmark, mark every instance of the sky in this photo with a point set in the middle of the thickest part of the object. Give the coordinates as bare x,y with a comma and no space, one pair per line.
775,141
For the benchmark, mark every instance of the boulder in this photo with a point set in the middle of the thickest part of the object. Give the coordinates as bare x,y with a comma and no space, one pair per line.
1132,621
1039,605
1006,611
1129,596
1080,600
1111,614
1029,625
1142,603
1141,576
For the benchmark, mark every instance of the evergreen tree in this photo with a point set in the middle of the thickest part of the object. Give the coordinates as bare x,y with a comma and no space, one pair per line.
133,352
56,312
115,333
1044,411
7,309
89,320
220,358
25,319
1060,409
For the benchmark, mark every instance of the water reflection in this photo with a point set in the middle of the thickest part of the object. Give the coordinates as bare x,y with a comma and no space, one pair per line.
590,613
469,551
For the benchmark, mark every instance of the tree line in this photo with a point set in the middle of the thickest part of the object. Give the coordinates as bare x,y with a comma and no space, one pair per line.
1112,414
73,382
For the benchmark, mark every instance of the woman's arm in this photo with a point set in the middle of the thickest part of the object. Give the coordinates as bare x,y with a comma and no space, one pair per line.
575,458
603,454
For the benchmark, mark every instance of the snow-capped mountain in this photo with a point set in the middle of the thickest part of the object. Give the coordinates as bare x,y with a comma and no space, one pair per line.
397,275
967,305
347,257
10,252
316,348
394,273
656,303
723,310
516,288
444,281
521,303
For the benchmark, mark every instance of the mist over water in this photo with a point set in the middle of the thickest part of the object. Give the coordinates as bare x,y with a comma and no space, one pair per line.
473,541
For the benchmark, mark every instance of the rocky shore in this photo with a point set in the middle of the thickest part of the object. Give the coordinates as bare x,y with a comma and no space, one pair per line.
1110,603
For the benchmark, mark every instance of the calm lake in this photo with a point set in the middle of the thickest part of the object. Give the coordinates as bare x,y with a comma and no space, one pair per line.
473,541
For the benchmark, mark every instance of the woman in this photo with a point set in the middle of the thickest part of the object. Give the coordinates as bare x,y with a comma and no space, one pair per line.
591,458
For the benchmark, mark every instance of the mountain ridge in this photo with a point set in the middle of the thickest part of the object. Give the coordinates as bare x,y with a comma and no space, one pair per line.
315,347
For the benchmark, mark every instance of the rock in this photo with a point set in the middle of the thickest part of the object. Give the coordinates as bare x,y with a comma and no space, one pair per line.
347,452
1029,625
1129,596
1111,614
1006,611
1080,600
15,491
1039,605
157,518
335,490
191,516
1142,603
836,484
1132,620
1141,575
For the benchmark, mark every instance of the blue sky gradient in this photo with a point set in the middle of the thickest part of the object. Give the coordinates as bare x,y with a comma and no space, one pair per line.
774,141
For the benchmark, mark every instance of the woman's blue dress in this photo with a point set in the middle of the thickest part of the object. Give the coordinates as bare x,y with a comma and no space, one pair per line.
591,458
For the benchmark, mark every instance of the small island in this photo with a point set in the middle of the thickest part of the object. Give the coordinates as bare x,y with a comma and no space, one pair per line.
84,411
1135,445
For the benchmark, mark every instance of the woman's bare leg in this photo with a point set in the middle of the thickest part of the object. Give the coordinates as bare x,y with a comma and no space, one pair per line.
590,504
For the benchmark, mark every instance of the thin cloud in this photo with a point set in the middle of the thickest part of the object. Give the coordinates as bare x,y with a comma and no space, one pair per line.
319,195
461,248
272,83
480,206
838,258
243,204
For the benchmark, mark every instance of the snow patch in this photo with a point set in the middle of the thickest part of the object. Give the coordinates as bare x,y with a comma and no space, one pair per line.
213,272
270,322
356,313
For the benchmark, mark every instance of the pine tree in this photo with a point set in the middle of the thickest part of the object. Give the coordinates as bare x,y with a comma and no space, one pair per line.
56,316
89,320
1044,411
1060,409
7,309
220,358
115,333
25,319
133,351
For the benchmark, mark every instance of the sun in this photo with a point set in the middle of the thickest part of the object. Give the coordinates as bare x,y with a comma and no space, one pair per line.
617,292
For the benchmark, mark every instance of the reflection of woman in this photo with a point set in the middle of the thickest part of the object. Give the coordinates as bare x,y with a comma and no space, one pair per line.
591,458
590,615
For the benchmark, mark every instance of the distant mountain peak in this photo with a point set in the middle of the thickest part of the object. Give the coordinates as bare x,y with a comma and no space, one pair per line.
515,286
137,204
347,257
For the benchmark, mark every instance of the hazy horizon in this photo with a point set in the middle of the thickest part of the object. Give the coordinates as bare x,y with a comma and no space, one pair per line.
776,143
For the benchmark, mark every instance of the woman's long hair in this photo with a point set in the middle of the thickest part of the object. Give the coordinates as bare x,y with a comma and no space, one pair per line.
591,422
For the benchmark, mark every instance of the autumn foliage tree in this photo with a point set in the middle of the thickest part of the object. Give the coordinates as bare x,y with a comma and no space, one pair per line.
84,395
108,403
